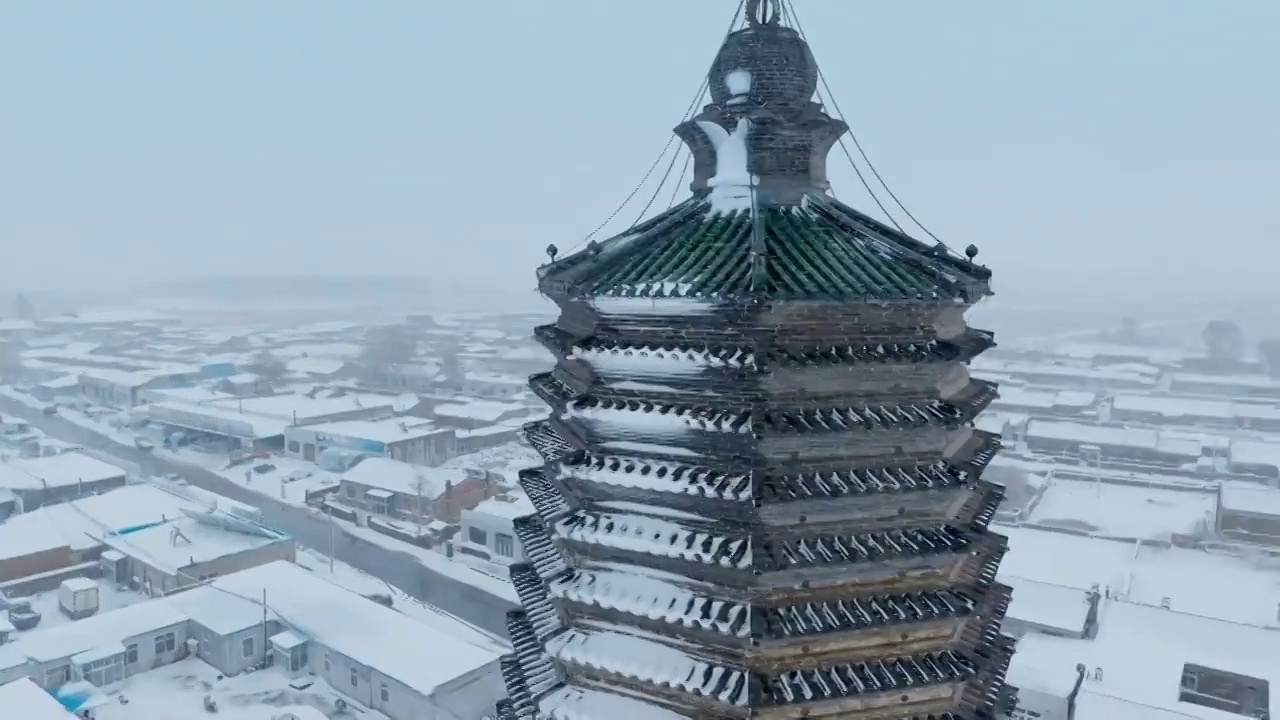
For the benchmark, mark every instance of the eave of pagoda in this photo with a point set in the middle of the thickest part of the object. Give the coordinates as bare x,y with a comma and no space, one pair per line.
910,683
616,358
863,626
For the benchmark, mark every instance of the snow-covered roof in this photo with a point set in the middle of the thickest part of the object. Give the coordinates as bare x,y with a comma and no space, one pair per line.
24,699
208,417
66,381
420,656
80,523
1044,399
1051,606
1244,497
1248,382
482,410
509,506
1090,351
1139,654
69,468
117,377
1192,580
193,542
315,365
403,478
106,317
1103,435
388,430
296,408
1174,407
63,641
1123,510
1253,452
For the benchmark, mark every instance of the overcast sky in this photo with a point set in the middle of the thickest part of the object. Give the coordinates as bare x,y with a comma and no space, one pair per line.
1081,140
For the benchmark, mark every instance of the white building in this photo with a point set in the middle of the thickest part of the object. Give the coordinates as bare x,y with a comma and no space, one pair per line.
406,439
381,659
489,528
1149,662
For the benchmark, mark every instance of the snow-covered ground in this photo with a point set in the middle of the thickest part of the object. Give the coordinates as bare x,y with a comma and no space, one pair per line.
1123,510
46,603
178,691
288,479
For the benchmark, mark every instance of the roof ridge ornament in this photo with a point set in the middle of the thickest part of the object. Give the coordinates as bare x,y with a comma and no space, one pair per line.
763,12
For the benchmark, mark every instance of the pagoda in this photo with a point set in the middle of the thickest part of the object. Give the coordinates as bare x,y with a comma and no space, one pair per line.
761,495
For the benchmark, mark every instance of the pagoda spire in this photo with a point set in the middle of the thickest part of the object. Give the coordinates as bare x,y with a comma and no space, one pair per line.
762,85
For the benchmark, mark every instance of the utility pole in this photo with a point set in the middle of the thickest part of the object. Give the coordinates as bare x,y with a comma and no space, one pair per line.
264,627
332,548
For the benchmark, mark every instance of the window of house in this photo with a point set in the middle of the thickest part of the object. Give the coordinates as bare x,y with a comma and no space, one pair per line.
246,647
504,544
293,446
131,654
351,491
1225,691
165,643
384,693
378,506
355,680
477,536
328,667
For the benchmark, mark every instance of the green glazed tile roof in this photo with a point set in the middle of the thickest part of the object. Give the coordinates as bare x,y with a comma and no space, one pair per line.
814,251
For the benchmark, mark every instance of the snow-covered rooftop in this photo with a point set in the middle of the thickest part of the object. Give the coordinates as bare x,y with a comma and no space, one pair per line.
1123,510
180,542
62,470
1017,397
315,365
28,701
1102,435
295,408
482,410
1051,606
79,523
1244,497
404,649
124,378
401,477
214,418
388,430
1139,654
1192,580
511,506
1189,408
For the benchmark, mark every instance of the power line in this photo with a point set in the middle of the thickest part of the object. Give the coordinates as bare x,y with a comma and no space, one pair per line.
688,113
791,13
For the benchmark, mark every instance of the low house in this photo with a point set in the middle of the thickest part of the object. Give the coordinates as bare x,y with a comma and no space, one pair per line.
382,486
488,529
40,481
406,439
64,536
493,386
120,388
176,553
478,413
59,388
1248,513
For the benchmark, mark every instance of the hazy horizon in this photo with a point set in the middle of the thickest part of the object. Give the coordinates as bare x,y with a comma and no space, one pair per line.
1089,147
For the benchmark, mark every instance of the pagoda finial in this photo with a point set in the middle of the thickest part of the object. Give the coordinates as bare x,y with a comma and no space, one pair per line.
766,73
763,12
